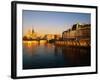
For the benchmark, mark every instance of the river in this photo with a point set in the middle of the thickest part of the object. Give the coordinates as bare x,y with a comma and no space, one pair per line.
45,55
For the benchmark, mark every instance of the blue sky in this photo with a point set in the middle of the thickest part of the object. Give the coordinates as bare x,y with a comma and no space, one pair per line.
47,22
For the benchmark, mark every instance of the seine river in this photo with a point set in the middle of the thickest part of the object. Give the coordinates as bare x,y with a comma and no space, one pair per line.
45,55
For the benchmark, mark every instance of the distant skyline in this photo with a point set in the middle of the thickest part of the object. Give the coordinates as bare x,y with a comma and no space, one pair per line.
47,22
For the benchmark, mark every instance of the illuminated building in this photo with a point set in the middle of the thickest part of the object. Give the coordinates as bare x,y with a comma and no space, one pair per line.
57,36
31,34
49,36
77,32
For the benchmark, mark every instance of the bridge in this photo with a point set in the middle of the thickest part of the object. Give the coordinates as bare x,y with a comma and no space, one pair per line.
37,40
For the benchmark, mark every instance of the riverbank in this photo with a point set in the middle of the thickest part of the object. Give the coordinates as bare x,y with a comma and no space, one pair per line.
81,43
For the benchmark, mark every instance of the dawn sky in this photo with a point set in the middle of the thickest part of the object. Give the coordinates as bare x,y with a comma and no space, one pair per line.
45,22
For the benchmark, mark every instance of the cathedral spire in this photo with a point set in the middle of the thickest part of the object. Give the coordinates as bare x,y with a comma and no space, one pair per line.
33,30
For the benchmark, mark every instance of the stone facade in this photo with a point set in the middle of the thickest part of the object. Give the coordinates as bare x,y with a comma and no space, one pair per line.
77,32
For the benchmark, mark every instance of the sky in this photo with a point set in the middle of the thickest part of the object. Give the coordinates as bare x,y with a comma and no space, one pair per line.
49,22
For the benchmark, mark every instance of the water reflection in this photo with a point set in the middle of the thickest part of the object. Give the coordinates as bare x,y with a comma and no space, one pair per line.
46,55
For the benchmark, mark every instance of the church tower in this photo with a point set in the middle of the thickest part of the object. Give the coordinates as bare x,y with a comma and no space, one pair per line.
33,31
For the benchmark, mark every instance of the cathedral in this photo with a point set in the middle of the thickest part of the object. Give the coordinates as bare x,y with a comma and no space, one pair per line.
31,34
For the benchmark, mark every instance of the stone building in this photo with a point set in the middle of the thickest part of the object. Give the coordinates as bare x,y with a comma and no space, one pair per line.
77,32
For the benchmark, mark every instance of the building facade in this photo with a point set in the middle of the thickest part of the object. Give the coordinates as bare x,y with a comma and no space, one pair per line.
77,32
